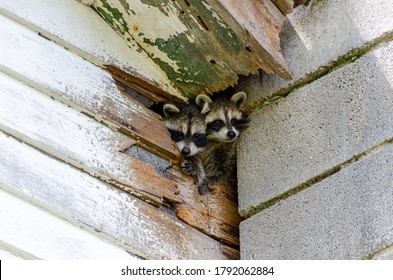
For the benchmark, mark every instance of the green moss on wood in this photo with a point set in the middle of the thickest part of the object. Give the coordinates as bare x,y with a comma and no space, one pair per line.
113,16
205,58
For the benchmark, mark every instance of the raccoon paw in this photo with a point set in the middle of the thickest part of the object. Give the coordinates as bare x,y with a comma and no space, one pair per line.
203,188
188,167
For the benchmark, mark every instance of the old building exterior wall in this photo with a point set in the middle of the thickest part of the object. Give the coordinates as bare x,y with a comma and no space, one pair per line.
315,166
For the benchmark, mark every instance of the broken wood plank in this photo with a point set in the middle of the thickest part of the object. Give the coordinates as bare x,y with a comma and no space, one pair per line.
79,29
214,214
46,236
78,83
140,228
285,6
191,41
258,23
179,42
73,137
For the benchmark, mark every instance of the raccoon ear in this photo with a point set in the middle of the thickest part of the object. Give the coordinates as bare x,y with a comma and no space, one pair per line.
239,99
170,109
203,101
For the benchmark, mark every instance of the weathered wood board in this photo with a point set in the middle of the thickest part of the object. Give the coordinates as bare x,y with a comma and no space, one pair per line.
73,137
90,123
285,6
7,255
88,145
195,46
202,45
140,228
258,23
45,236
81,30
50,68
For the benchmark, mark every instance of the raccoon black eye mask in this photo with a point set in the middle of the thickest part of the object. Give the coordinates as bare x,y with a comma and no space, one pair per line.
215,125
186,125
224,123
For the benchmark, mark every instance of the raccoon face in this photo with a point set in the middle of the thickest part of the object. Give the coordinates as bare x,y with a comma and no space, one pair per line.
225,119
186,125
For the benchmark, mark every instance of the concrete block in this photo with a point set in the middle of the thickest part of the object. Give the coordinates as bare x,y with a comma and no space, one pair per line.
316,128
349,215
318,34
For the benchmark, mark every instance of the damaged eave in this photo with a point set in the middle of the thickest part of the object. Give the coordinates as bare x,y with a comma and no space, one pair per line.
202,46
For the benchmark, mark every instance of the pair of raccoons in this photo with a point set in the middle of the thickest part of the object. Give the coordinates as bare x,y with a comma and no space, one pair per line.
205,132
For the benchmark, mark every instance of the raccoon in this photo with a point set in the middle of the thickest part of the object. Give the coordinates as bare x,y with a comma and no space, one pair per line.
186,125
224,122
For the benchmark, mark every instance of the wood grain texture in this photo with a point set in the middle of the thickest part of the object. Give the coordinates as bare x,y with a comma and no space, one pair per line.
78,83
46,236
96,146
73,137
215,214
139,228
88,145
201,48
258,23
79,29
285,6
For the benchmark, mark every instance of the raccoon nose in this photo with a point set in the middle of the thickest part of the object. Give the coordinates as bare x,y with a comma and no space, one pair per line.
231,134
185,151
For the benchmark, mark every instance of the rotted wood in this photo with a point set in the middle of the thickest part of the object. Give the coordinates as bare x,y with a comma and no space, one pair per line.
135,226
285,6
149,91
85,143
88,145
258,23
202,46
215,214
80,84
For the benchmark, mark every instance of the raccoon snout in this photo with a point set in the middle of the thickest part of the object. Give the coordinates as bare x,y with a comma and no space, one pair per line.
185,151
231,134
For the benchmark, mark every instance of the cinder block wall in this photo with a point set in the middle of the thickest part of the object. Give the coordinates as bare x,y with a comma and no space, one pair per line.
315,168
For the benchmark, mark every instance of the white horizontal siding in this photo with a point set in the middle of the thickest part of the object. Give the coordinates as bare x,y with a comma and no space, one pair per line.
45,236
81,30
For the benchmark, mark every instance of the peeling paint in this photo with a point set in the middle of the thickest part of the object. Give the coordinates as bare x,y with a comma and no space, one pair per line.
183,43
168,25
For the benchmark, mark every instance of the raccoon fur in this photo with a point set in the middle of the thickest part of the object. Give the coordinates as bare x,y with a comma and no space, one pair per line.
224,122
186,125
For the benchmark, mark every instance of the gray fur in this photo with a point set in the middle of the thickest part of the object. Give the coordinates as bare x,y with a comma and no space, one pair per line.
216,163
219,158
189,119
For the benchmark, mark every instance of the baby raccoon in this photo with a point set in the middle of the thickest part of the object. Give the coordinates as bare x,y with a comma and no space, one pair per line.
224,122
186,125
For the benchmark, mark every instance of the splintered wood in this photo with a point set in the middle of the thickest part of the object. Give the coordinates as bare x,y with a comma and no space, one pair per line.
77,126
203,46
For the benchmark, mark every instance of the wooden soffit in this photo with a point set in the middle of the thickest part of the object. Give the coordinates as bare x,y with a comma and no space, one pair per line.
202,45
